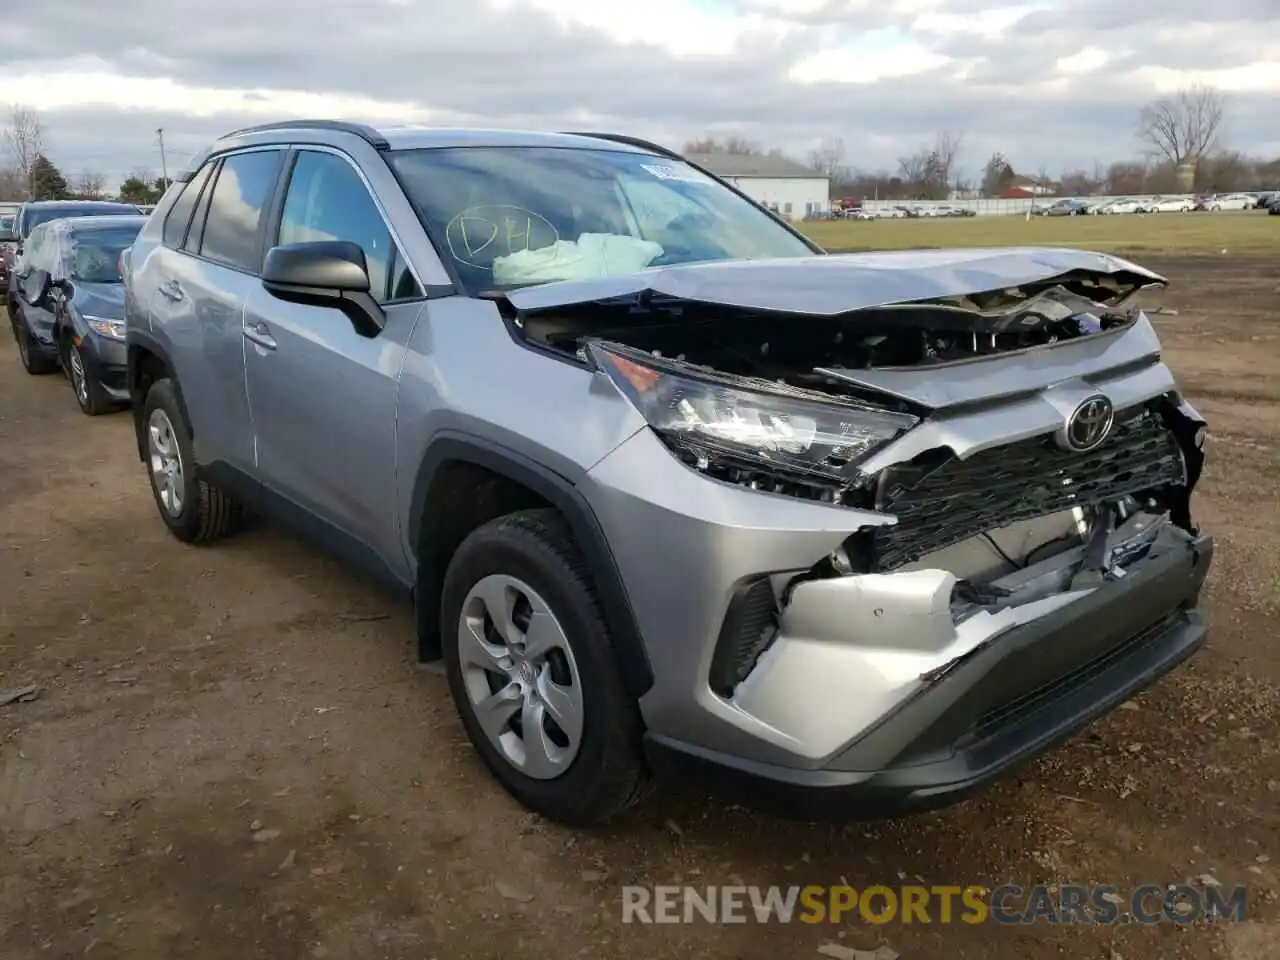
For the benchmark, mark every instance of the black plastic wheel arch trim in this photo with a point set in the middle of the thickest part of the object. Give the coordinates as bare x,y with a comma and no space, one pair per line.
561,493
136,342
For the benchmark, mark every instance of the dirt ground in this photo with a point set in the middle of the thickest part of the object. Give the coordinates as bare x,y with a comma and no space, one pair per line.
233,754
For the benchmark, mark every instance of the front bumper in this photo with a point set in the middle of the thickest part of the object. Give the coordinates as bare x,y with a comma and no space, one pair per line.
870,695
1003,703
106,362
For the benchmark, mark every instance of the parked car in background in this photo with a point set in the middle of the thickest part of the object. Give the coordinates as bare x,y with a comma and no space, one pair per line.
1121,205
1065,208
8,243
71,306
35,212
910,210
1233,201
842,579
1169,205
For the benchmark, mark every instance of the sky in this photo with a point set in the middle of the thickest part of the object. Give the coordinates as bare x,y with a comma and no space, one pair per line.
1053,84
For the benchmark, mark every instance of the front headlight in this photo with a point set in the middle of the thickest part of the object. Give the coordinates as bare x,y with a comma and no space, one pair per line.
105,326
751,433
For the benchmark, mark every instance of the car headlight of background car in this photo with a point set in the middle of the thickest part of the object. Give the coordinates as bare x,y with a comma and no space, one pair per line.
747,433
106,327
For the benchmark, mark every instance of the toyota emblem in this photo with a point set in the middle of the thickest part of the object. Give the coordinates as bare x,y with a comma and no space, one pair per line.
1089,425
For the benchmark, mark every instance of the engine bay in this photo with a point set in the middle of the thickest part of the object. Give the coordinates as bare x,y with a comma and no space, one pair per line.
793,349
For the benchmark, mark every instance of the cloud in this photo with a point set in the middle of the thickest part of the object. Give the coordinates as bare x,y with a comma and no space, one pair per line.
1050,83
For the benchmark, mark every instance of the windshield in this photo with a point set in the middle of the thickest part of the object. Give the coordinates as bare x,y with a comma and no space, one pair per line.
512,216
96,254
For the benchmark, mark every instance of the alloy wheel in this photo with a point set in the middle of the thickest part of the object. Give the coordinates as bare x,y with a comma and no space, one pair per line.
520,676
166,463
79,381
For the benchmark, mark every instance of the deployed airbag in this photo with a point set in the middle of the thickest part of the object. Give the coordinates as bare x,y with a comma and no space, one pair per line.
592,256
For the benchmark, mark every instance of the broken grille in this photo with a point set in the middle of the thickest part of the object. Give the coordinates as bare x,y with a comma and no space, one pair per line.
941,504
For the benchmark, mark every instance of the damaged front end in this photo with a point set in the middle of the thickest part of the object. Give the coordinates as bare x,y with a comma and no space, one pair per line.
1008,449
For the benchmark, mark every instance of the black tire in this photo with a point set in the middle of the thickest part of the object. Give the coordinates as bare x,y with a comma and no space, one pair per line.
90,397
609,773
207,512
34,364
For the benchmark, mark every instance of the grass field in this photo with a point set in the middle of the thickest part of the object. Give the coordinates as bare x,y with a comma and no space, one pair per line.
1245,232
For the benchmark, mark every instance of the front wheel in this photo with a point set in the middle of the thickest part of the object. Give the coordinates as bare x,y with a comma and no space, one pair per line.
32,362
533,672
88,391
194,510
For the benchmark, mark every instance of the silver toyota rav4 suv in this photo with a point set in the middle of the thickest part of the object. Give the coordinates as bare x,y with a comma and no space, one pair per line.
670,488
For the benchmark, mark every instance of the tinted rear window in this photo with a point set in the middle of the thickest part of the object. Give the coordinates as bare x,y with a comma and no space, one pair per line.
175,224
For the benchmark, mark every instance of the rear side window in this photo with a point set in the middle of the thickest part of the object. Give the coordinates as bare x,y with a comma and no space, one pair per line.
175,224
241,192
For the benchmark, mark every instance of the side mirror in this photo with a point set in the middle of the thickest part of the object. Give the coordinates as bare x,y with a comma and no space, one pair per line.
325,273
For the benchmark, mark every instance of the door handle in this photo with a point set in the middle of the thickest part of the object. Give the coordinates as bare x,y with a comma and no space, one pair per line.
258,332
171,290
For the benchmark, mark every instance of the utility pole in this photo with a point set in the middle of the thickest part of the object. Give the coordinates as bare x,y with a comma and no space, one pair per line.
164,166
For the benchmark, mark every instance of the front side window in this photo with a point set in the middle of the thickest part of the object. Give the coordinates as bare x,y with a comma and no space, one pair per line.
513,216
327,200
241,192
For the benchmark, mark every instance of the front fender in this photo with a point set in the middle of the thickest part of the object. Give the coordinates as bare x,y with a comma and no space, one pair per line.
452,447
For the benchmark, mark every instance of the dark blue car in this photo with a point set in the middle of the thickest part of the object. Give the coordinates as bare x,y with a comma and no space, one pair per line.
70,306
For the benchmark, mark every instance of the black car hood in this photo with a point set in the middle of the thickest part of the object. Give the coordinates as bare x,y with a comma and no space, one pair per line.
827,285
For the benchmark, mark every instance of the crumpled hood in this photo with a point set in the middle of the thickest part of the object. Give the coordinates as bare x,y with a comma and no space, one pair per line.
839,283
104,300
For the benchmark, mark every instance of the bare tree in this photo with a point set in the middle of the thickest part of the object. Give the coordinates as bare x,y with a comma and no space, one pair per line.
90,185
946,152
828,158
24,142
12,183
736,145
1078,183
1126,178
914,170
1226,171
1183,128
997,175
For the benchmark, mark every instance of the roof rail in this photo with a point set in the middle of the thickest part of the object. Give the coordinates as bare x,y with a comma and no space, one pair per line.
629,141
361,130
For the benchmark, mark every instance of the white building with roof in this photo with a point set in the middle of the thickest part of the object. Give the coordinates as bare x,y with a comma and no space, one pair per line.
773,181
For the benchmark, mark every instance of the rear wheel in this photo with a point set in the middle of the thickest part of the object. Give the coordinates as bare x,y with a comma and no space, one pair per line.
194,510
